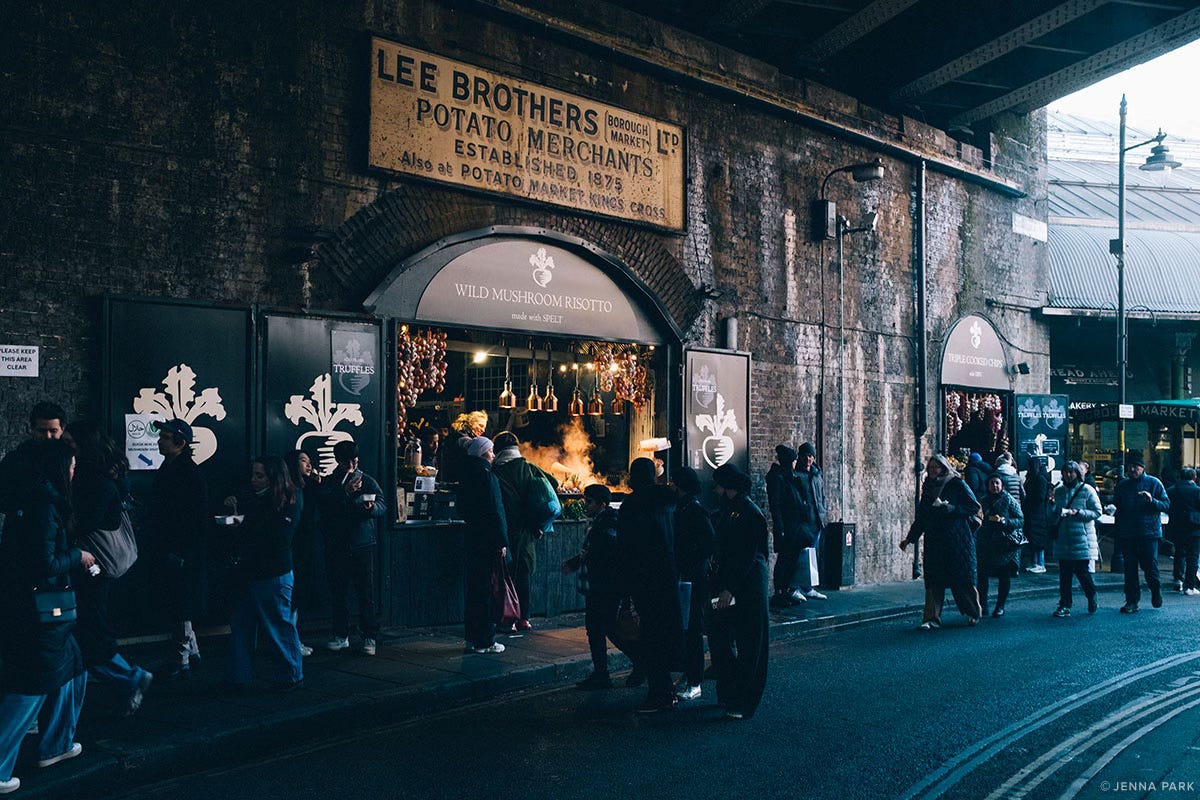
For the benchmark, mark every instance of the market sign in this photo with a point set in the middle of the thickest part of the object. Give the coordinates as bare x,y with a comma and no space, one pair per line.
1041,429
974,356
452,122
515,284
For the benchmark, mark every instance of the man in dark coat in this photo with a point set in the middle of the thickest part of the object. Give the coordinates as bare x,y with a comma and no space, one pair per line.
738,635
46,421
600,582
645,536
485,540
813,515
1140,500
351,505
783,500
179,523
1185,529
1036,507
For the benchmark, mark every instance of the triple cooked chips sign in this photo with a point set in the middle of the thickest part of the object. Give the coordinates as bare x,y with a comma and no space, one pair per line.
452,122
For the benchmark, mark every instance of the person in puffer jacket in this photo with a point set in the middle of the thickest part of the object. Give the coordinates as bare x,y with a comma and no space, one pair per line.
1075,511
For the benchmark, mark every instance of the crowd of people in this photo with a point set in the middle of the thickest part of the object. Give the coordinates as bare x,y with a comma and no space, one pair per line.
977,524
66,488
660,574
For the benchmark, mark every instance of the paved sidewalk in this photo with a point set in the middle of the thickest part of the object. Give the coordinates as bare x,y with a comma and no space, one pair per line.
193,725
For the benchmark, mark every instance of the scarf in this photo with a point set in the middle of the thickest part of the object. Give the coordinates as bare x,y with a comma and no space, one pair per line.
505,455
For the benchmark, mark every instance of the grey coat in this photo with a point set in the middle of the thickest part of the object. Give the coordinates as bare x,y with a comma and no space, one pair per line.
1076,534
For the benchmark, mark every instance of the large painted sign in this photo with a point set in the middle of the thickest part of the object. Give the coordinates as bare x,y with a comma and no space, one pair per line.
974,356
516,285
452,122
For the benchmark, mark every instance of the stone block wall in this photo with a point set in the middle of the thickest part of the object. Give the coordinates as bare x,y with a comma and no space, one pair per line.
197,153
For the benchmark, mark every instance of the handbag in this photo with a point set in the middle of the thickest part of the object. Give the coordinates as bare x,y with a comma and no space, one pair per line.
629,623
506,607
115,550
53,605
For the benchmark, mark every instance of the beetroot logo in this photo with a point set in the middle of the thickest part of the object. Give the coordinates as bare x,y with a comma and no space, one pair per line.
542,264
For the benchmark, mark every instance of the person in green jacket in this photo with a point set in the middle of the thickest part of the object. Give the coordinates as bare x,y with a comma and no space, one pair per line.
515,475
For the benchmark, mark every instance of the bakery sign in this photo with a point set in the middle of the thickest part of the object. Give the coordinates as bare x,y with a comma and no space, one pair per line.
455,123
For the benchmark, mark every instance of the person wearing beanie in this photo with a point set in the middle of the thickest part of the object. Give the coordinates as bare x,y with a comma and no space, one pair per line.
783,501
738,635
485,537
646,541
516,477
976,475
810,487
179,523
694,542
1140,500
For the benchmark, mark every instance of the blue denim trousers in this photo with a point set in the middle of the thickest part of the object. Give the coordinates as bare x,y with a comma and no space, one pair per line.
57,714
265,606
118,673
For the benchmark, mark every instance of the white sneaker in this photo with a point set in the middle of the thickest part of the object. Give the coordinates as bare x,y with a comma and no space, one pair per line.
495,648
10,785
813,594
1036,569
368,647
336,643
75,749
690,693
1191,592
305,651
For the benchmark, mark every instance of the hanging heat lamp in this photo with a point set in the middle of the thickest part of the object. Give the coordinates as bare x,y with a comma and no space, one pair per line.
618,405
596,405
534,401
550,401
507,398
576,407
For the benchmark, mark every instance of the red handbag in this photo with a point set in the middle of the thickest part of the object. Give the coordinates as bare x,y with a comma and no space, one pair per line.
505,605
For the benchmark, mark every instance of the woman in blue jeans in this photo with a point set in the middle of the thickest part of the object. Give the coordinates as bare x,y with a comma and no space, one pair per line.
264,594
43,676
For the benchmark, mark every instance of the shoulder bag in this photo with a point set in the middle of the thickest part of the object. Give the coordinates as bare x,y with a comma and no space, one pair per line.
629,623
53,605
115,550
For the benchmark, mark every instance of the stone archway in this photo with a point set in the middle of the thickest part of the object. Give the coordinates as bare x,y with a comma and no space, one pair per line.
366,248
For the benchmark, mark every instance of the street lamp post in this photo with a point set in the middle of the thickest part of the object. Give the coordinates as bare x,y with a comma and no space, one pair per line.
1159,160
829,224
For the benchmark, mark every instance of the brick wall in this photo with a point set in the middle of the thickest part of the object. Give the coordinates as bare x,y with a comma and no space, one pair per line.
159,152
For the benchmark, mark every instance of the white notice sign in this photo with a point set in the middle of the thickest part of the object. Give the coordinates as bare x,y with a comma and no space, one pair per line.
18,361
141,441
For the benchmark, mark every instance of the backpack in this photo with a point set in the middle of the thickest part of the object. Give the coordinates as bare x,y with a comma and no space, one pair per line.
542,505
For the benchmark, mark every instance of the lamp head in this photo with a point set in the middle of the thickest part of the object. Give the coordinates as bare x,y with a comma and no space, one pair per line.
871,171
1160,159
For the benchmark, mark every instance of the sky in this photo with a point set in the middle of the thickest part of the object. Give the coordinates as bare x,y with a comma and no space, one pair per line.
1161,94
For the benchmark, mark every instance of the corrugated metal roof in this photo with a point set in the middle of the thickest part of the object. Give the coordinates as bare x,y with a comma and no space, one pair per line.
1162,269
1088,190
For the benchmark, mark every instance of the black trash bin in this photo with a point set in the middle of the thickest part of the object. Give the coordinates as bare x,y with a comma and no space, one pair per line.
837,555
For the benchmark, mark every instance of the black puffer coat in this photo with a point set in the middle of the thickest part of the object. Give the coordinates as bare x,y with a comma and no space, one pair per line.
34,551
998,542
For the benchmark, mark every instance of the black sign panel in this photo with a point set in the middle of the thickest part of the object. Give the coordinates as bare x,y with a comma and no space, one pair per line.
716,411
182,361
323,383
1041,425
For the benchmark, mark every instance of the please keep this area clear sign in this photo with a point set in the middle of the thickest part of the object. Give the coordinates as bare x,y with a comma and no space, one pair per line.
18,361
452,122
